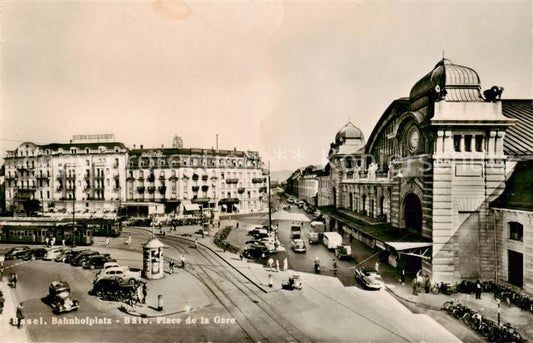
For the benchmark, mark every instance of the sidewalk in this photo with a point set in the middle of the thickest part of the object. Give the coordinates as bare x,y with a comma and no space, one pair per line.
318,291
259,275
10,333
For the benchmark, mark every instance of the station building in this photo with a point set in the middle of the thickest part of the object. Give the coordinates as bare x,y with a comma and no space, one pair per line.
427,189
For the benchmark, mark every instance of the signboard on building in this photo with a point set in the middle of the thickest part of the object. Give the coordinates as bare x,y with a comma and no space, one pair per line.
99,138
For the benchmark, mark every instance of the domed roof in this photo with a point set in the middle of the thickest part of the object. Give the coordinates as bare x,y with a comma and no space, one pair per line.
448,76
349,131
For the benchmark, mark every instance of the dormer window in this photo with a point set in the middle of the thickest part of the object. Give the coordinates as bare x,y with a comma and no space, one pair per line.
73,151
86,150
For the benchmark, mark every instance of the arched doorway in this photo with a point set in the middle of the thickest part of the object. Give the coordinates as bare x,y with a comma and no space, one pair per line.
413,212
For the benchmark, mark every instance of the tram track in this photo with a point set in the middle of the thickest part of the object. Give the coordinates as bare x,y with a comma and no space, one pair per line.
258,319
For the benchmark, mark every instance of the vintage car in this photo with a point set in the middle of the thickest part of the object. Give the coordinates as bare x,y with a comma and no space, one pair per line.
97,261
16,252
114,290
128,275
255,252
298,245
52,254
369,278
59,298
35,254
78,260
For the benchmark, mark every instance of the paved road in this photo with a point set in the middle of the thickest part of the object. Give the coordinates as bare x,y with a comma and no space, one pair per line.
113,325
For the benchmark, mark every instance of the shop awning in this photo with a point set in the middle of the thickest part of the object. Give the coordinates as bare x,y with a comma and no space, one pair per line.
418,249
190,207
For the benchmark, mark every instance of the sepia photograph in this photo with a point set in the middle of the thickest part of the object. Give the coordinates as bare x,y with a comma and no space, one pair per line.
266,171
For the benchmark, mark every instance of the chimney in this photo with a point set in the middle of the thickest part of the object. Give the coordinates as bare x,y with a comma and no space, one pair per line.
162,146
134,145
141,146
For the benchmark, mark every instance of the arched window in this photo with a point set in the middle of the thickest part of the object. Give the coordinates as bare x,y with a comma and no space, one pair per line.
382,205
363,200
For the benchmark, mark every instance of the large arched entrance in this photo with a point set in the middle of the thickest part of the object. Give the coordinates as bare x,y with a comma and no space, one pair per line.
413,212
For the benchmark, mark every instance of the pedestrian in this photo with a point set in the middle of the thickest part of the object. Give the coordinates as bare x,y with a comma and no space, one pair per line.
376,266
171,266
63,242
20,316
14,280
196,243
427,284
334,267
237,225
1,302
478,289
414,286
277,265
145,293
402,276
107,242
46,240
270,263
128,241
52,242
285,264
182,260
1,273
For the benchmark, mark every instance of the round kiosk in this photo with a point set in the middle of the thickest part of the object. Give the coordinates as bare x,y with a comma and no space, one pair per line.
153,259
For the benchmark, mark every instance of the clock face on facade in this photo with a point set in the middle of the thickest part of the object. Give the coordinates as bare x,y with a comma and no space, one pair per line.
413,139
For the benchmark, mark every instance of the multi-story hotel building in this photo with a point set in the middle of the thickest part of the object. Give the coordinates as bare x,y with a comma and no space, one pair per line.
94,175
423,188
228,180
87,174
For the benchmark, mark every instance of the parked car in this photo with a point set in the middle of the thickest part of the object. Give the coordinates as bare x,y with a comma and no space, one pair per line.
59,298
298,245
96,261
124,273
73,254
369,278
77,261
113,290
82,261
53,253
35,254
255,252
65,254
16,252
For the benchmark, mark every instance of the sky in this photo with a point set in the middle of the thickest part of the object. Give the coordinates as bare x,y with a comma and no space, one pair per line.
280,78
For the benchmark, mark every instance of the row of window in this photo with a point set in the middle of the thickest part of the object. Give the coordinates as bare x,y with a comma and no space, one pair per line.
73,151
464,143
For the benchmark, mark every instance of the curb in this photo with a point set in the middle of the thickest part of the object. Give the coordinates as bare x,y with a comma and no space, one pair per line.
419,304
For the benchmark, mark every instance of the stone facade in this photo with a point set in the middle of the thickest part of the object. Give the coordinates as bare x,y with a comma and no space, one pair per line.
93,178
431,167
